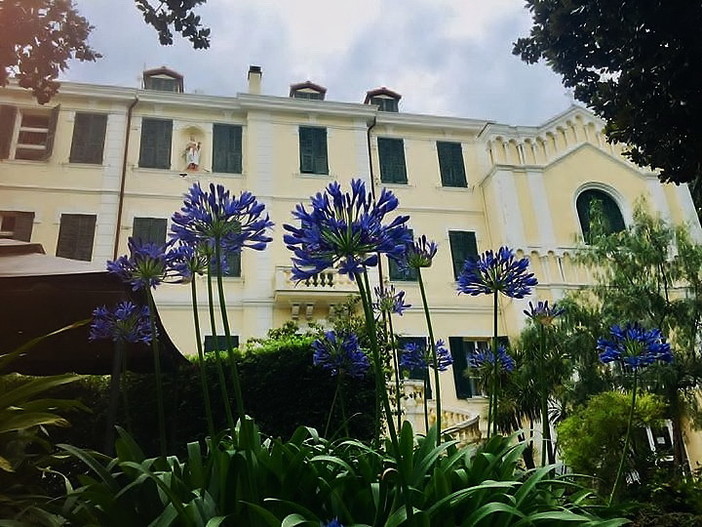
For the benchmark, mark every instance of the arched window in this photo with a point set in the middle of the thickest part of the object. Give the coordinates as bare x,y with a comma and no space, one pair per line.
593,204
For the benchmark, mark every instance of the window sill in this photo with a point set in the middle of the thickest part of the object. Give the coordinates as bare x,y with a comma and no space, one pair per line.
75,164
309,175
467,188
25,161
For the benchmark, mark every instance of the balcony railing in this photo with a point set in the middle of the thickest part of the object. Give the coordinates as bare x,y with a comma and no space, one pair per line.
325,284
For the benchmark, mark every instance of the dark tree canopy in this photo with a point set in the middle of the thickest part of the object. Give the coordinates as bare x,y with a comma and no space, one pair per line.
39,37
635,63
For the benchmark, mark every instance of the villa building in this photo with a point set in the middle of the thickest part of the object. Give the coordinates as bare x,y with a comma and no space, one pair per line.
99,164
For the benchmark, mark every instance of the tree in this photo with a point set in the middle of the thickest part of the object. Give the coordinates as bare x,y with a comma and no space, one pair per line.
651,273
634,64
39,37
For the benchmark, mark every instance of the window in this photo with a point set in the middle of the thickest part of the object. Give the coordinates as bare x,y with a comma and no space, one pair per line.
311,95
16,225
391,153
155,149
219,342
463,246
465,378
226,148
161,84
419,374
397,274
231,265
88,138
150,230
598,209
34,139
385,104
453,172
76,235
313,150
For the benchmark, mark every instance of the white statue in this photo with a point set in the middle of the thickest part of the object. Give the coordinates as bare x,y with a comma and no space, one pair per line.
192,155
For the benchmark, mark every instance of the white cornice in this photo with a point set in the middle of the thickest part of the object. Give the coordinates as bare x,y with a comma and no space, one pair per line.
511,131
271,103
432,121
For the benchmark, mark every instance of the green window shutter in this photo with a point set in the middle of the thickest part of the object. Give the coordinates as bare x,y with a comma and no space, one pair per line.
155,148
76,236
226,148
88,138
150,230
401,275
453,173
53,121
219,342
313,150
417,373
463,246
233,265
460,351
391,153
8,116
24,223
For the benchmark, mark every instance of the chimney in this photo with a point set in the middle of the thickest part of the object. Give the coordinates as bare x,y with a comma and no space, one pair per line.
254,77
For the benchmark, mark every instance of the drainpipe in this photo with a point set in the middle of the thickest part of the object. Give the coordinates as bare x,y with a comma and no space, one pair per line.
123,177
372,184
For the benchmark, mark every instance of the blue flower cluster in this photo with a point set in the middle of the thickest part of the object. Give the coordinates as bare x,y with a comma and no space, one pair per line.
634,346
417,356
542,313
345,230
496,272
218,218
340,354
147,265
334,523
418,253
389,302
504,360
125,323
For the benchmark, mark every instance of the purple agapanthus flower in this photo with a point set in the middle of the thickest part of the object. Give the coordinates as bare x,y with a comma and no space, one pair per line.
388,301
190,260
147,265
340,354
334,523
215,217
542,313
418,253
496,272
125,323
417,356
344,230
504,360
634,346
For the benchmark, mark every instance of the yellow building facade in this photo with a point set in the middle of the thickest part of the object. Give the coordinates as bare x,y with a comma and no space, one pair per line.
102,163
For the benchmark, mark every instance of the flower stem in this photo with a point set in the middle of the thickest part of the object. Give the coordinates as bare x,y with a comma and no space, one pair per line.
396,365
495,369
546,447
157,373
230,348
435,362
626,439
218,360
201,356
331,410
364,290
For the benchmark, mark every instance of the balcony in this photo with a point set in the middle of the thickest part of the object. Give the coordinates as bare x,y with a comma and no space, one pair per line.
328,287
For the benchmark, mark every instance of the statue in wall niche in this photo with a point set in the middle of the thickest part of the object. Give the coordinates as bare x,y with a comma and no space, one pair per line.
192,155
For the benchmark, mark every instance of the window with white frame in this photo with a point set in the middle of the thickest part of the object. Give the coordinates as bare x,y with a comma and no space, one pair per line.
27,133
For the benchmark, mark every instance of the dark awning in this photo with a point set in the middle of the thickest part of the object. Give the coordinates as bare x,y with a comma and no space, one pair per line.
40,294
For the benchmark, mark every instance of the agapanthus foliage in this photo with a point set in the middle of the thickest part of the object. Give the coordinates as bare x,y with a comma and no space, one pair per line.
215,217
542,313
344,230
497,272
388,301
340,354
418,356
147,265
505,362
634,346
127,322
418,253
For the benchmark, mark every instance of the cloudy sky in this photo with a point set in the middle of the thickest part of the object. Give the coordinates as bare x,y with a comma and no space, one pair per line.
446,57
